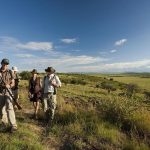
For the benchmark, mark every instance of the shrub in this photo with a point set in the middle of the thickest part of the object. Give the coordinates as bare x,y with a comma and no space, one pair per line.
111,79
25,75
108,86
74,81
147,95
131,89
118,111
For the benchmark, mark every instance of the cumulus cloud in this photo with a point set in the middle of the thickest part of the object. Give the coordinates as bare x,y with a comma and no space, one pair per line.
69,40
63,63
115,67
113,51
10,43
81,63
120,42
83,59
45,46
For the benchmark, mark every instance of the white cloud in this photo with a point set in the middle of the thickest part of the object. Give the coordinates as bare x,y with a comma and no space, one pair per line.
113,51
45,46
9,43
128,65
115,67
120,42
24,55
83,59
62,63
81,63
69,40
8,40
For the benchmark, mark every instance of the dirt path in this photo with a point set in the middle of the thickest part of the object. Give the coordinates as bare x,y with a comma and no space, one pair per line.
39,127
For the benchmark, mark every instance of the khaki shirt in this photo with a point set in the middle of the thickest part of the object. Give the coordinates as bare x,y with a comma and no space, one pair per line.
47,86
7,77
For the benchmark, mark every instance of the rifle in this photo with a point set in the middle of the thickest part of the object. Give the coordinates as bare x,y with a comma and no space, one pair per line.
8,90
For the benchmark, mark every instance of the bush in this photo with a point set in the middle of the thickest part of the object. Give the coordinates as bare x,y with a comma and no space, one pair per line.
119,111
25,75
147,95
111,79
108,86
131,89
74,81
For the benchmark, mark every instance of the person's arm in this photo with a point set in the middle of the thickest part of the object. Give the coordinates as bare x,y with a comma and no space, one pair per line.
57,82
29,87
41,85
12,84
12,81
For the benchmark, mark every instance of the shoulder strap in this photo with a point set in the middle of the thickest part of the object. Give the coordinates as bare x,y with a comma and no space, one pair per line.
44,78
44,82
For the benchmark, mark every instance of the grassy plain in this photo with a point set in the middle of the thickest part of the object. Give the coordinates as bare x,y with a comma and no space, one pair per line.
140,79
87,118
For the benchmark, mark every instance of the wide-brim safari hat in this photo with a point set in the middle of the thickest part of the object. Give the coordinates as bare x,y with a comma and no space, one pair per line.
50,69
34,71
14,68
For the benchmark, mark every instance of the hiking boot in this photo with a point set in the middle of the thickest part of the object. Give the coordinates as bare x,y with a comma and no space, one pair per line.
49,124
13,129
35,116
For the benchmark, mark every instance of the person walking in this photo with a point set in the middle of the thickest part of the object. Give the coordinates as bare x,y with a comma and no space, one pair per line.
50,82
15,89
6,100
35,86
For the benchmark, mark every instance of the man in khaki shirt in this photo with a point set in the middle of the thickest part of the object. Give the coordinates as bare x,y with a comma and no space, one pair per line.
50,83
6,103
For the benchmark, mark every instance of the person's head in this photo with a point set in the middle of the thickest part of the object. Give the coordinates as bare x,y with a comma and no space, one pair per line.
14,69
34,73
5,63
49,70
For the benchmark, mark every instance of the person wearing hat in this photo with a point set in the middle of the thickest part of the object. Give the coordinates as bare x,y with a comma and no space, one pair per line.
35,91
50,83
16,87
6,102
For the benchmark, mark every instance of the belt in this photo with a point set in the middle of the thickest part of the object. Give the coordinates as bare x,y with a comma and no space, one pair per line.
50,93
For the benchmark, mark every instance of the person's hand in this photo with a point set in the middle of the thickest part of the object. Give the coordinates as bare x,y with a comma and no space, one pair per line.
7,86
54,83
29,95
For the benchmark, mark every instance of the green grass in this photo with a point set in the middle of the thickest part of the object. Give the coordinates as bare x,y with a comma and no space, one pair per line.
86,118
141,82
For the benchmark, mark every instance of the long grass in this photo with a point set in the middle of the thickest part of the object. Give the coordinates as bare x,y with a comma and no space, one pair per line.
86,118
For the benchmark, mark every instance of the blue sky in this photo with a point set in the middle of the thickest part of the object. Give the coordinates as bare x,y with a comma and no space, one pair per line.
76,35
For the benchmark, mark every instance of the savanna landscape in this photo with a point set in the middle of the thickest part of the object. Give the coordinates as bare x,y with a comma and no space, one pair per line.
94,112
100,50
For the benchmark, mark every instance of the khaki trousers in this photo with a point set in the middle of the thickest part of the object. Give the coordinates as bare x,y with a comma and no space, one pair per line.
49,105
7,111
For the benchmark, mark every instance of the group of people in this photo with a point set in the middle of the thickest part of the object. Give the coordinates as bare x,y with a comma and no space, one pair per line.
39,90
